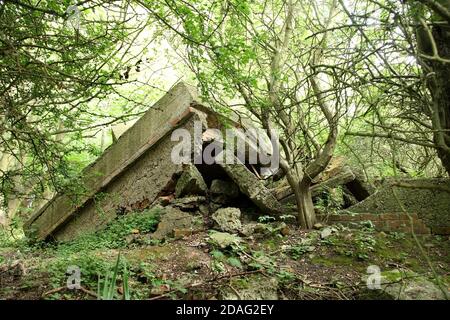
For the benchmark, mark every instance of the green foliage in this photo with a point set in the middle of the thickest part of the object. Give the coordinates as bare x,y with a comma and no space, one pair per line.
285,277
330,200
397,235
90,266
146,274
107,288
357,243
368,225
261,261
113,236
63,87
234,262
11,235
217,254
332,240
52,77
266,219
298,251
80,252
220,258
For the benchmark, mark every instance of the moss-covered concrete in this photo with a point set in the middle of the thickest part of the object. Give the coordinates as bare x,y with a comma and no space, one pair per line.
429,198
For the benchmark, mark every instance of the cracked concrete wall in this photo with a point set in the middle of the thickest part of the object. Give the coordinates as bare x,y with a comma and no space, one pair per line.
136,188
165,115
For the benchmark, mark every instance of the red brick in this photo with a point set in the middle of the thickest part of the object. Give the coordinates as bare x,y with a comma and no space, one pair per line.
341,217
380,225
397,225
369,216
389,216
441,230
408,216
421,229
331,217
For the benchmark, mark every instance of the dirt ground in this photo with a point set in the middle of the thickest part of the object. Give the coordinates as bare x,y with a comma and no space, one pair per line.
298,265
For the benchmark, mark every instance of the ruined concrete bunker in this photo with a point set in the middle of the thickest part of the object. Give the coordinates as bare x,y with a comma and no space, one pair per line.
137,170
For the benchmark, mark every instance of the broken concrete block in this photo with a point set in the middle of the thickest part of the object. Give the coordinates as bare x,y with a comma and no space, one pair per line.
285,230
203,209
190,182
248,229
228,219
249,184
171,220
137,169
257,229
223,192
224,239
352,181
184,232
285,193
407,285
334,167
318,226
163,200
189,203
325,233
214,206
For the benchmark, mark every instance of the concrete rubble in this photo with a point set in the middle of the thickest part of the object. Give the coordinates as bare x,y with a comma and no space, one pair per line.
228,219
190,182
172,220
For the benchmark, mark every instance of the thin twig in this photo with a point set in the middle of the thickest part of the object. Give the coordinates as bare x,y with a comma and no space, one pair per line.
198,284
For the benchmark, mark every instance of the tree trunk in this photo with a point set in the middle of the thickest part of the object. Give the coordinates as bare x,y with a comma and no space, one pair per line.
438,73
306,204
302,192
440,91
305,208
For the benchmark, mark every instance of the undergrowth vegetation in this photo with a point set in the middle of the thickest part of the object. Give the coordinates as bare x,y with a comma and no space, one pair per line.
303,264
82,252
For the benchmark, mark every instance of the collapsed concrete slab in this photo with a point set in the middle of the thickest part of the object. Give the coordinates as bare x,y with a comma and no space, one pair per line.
336,174
190,182
249,184
285,195
142,183
137,170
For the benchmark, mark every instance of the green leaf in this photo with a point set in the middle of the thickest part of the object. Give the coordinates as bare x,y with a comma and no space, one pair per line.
234,262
